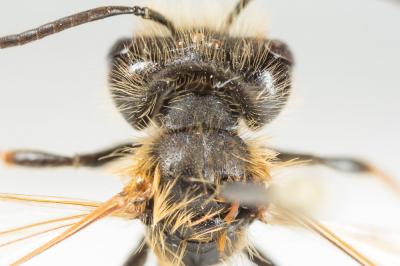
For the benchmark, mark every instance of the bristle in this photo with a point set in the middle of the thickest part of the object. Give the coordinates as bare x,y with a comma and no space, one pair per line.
175,216
261,161
140,170
155,238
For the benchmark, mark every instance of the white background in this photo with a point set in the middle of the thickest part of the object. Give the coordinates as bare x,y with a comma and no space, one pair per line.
53,96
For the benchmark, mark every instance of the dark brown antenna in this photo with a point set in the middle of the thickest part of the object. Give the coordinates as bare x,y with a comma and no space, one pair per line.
240,6
82,18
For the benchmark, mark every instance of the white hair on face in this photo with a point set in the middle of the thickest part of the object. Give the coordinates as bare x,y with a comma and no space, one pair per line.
187,14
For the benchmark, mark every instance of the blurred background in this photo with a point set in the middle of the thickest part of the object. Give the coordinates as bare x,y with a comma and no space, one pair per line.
54,97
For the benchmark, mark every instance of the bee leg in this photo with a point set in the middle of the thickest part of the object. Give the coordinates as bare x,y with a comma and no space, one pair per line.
40,159
343,164
259,259
139,256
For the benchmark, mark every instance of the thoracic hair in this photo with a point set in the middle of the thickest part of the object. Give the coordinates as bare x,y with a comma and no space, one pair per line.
196,87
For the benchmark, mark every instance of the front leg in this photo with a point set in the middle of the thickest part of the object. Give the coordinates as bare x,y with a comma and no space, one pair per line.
343,164
40,159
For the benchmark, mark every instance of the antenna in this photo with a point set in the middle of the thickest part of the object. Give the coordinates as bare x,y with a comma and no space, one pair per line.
82,18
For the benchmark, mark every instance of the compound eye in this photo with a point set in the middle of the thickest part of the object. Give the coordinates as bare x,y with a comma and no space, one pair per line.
267,96
267,80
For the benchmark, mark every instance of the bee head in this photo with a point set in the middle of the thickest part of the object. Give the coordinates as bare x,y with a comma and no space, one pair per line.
250,76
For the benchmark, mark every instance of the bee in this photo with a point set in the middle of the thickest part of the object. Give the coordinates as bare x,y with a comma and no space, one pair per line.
195,89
